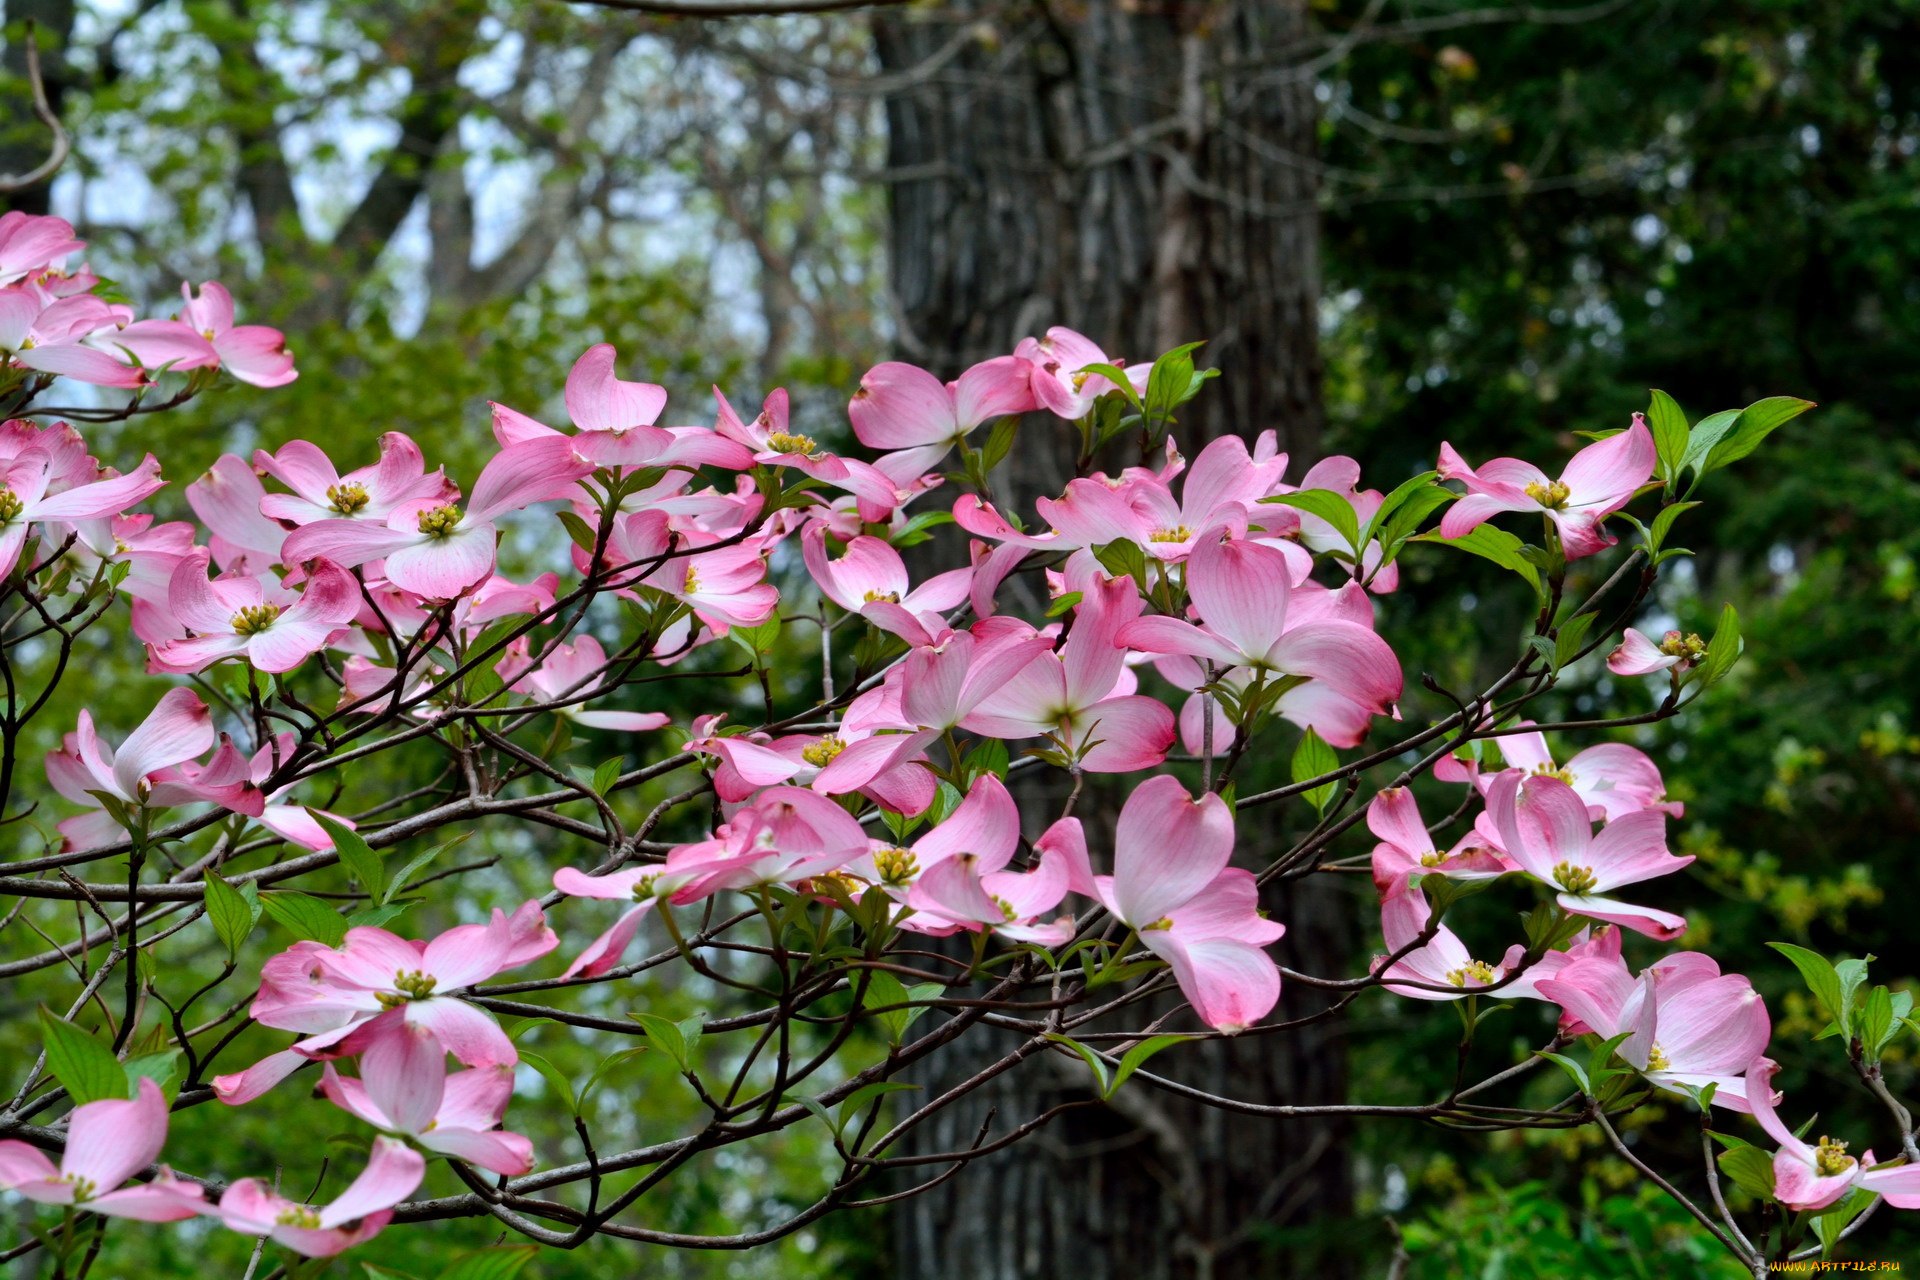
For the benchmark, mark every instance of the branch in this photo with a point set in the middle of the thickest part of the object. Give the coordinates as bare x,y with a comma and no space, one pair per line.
57,155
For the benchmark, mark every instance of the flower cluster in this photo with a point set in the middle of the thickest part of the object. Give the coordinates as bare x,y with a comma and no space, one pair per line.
1146,641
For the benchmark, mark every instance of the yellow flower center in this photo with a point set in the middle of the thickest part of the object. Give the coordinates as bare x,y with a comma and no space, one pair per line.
1657,1059
783,442
440,521
891,597
10,505
1178,533
1574,879
299,1215
1551,496
1164,922
1548,771
1006,909
693,581
1432,858
896,866
1473,973
254,619
643,887
84,1189
408,984
821,753
346,498
1688,646
1831,1157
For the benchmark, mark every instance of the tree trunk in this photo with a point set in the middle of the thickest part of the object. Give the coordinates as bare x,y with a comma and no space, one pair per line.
24,139
1143,173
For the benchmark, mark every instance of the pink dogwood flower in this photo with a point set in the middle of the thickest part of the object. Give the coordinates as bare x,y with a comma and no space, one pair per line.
985,825
1056,366
1810,1177
974,891
1172,884
616,421
204,336
108,1141
871,580
1242,592
571,672
227,499
361,1212
1598,481
27,497
370,493
1689,1024
404,1089
1443,961
31,242
256,619
1544,827
1407,849
1636,655
942,683
49,336
906,410
179,729
331,996
1069,697
437,551
1613,778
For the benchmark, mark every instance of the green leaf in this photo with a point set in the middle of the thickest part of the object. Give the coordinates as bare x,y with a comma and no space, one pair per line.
305,917
1663,522
1064,602
232,914
1422,483
1132,1060
1748,1168
607,1064
1755,423
502,1262
161,1067
1118,377
1312,759
1876,1022
583,534
607,774
1417,507
1707,433
999,442
760,641
1669,427
1492,544
1329,506
420,860
988,756
381,916
1093,1060
1568,640
375,1271
1123,560
1573,1069
945,801
666,1037
85,1066
1830,1222
361,862
1851,974
1727,1140
1820,979
1723,650
555,1077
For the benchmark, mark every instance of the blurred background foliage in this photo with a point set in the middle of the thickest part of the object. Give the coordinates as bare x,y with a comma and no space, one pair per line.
1528,223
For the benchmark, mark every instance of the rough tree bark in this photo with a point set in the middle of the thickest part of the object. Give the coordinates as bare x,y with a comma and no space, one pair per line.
1144,173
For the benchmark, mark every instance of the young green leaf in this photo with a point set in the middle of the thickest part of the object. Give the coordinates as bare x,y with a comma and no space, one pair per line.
1329,506
360,860
555,1077
80,1062
232,914
1094,1061
1492,544
1132,1060
1669,427
1311,759
1750,1169
665,1036
1755,423
1821,980
307,918
501,1262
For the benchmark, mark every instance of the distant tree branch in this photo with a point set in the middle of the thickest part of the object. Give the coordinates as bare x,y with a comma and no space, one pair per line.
36,83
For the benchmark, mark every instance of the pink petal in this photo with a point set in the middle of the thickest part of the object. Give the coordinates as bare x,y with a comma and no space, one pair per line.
597,400
900,406
1230,984
111,1140
1655,923
1168,847
494,1150
443,568
1606,472
393,1171
165,1199
522,474
176,730
1639,656
1125,734
245,1086
604,952
404,1071
469,1034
